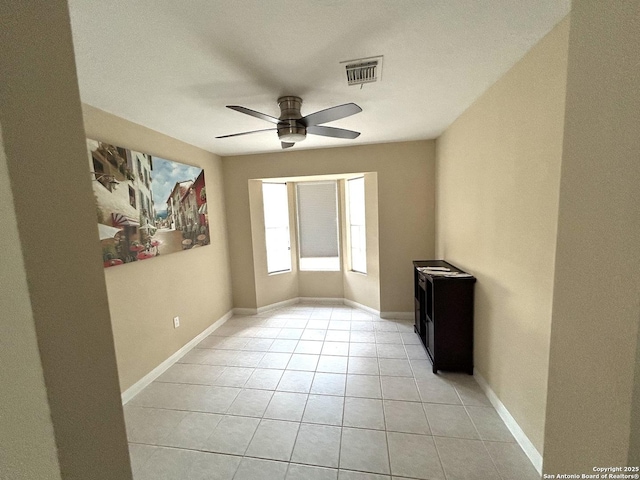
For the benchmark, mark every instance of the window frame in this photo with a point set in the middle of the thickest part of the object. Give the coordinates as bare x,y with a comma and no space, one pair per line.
362,228
333,264
277,270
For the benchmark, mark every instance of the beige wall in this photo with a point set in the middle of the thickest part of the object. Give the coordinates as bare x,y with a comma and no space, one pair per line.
406,203
360,288
596,305
57,289
634,434
28,444
194,285
275,287
498,172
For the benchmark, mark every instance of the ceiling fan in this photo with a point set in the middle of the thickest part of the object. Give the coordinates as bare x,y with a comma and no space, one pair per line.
292,127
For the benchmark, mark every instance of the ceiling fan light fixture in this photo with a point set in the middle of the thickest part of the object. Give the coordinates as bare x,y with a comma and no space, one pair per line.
291,133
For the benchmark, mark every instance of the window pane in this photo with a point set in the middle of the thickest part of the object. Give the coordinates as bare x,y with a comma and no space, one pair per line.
276,220
318,225
357,230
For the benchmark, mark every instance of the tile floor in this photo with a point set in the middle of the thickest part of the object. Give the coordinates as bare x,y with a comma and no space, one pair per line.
317,392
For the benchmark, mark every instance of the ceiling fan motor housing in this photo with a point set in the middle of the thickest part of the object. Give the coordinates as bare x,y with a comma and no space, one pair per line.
289,130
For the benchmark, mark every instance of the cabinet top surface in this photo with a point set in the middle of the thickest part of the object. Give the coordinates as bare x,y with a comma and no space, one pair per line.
442,263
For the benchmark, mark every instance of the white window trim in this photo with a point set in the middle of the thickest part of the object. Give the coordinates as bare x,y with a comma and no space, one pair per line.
290,263
349,225
338,229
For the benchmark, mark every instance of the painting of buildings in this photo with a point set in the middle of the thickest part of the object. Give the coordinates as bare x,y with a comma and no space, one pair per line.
146,206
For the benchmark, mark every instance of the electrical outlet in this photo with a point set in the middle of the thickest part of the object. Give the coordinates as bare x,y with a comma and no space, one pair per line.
176,322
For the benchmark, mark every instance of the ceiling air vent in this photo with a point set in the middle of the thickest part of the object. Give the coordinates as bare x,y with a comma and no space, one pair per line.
364,70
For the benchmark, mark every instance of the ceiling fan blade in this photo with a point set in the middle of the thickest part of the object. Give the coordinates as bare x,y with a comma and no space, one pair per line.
253,113
332,132
247,133
330,114
287,145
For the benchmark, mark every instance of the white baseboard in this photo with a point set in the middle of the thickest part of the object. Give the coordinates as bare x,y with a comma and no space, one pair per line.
327,301
353,304
322,300
510,422
137,387
245,311
273,306
398,315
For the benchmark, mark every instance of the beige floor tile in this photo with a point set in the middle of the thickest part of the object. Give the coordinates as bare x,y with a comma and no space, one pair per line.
275,360
407,417
309,346
318,324
385,326
324,409
389,350
190,373
251,403
414,456
139,454
465,459
186,397
283,346
361,326
329,384
167,464
307,472
219,357
233,377
286,406
195,356
395,367
468,389
363,366
220,397
450,421
194,429
264,378
350,475
258,345
399,388
257,469
363,350
303,362
436,390
150,425
317,445
274,440
363,413
332,364
489,425
212,466
313,334
337,336
367,386
364,450
388,337
511,461
291,333
416,352
295,381
339,325
246,359
232,435
335,348
363,337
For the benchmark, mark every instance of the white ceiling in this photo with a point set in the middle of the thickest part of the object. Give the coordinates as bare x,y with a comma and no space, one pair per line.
174,65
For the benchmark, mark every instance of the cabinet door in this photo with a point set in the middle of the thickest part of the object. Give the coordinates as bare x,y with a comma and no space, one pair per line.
430,334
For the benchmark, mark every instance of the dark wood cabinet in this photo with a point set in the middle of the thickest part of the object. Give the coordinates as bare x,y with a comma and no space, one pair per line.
444,315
